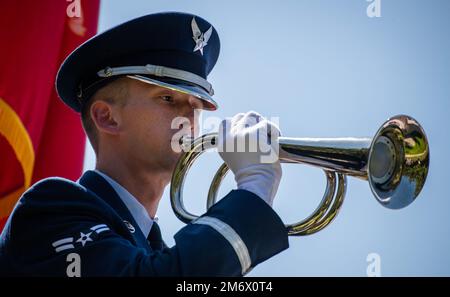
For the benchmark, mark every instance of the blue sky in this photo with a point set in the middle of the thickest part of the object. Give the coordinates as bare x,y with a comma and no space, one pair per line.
328,70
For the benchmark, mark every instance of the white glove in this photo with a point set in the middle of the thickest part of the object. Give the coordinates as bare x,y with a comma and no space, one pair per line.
243,144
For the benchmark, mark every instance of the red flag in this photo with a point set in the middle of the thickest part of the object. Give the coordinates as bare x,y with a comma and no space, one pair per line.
39,135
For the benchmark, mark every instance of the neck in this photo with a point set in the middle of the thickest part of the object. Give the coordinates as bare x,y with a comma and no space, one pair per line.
146,186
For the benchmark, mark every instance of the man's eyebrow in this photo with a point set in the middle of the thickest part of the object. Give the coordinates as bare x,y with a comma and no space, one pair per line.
157,91
178,95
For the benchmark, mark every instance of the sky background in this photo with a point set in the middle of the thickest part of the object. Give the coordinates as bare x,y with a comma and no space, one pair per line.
328,70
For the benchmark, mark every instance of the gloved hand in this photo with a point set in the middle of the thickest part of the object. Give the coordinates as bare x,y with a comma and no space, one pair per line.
248,143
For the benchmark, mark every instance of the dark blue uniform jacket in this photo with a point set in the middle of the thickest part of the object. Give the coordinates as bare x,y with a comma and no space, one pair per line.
56,218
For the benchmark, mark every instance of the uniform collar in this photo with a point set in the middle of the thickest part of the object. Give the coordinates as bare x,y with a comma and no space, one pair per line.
137,210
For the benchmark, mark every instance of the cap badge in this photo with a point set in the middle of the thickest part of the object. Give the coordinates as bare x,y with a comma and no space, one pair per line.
200,39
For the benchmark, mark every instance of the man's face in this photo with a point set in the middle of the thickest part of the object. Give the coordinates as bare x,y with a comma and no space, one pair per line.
147,129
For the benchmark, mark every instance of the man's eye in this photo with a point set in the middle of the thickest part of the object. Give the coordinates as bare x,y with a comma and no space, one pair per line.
167,99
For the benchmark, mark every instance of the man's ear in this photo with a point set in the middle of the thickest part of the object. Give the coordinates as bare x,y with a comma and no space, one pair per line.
104,117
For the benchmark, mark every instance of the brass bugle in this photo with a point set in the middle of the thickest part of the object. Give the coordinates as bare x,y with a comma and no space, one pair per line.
394,162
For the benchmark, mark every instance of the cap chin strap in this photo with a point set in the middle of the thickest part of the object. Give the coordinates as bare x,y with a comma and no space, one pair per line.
160,71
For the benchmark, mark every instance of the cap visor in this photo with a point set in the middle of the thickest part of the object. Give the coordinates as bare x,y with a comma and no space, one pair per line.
180,86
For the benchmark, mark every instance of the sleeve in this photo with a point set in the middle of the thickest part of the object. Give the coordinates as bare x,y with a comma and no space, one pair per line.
235,235
48,234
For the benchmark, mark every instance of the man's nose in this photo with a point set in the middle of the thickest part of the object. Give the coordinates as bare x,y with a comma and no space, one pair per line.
196,106
193,107
195,102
